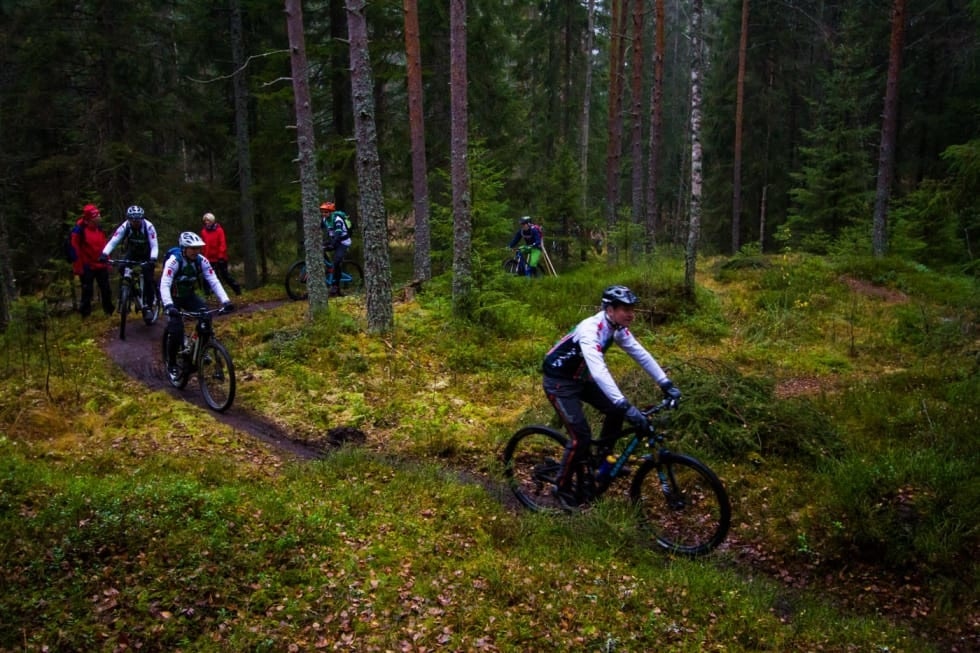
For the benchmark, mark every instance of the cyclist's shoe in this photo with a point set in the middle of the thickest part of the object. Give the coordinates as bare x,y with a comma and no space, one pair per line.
147,314
174,373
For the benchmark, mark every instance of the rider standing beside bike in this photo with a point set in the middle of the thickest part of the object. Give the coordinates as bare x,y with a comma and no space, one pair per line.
141,245
182,272
336,239
530,233
575,371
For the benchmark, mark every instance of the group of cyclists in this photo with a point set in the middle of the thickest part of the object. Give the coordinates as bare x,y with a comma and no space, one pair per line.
574,369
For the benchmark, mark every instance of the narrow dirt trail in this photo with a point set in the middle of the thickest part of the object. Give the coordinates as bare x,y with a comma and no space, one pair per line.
139,356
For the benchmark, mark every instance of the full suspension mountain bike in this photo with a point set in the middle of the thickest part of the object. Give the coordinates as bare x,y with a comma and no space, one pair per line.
131,294
351,277
681,504
202,353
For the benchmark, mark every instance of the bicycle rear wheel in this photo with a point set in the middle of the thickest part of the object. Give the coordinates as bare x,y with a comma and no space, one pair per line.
155,310
352,277
532,460
216,374
124,295
682,504
296,281
510,266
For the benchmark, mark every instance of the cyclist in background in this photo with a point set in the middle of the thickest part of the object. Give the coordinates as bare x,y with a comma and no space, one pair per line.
575,371
530,233
183,271
336,239
141,245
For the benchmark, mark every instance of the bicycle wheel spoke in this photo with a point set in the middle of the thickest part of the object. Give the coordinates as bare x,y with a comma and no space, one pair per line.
682,505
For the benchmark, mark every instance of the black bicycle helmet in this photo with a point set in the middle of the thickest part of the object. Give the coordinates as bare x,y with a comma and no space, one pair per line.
616,295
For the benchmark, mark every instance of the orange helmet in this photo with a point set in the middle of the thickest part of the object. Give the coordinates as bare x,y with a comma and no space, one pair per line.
327,206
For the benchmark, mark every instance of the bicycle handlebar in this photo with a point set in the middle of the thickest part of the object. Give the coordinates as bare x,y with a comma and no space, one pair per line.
124,262
666,404
203,313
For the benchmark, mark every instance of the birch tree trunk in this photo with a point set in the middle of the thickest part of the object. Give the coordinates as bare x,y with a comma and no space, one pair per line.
889,129
312,236
694,224
371,206
247,205
462,221
416,121
739,113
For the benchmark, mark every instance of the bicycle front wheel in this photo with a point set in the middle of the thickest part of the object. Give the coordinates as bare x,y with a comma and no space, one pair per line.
682,504
532,460
216,375
510,266
178,380
123,308
296,281
351,277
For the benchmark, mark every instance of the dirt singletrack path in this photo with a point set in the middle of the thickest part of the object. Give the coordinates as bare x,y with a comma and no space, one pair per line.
140,356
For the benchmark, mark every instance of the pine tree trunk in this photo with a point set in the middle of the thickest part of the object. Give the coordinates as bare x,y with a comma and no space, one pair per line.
656,127
240,86
416,121
694,224
462,221
889,129
636,128
617,51
586,117
739,111
312,236
371,206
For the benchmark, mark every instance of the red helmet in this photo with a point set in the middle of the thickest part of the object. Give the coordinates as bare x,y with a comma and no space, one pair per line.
90,211
327,206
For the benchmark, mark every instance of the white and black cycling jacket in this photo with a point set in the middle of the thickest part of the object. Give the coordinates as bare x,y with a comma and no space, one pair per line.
580,355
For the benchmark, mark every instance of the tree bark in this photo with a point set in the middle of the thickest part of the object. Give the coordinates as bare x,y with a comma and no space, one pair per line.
462,221
312,236
694,224
739,112
371,206
889,130
416,121
583,156
617,51
636,128
656,127
240,87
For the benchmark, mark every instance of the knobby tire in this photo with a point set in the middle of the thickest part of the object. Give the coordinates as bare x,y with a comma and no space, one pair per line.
216,376
688,512
531,462
123,308
296,281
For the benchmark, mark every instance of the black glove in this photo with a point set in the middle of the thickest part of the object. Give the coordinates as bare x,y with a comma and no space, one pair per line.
171,310
670,391
103,258
227,307
636,417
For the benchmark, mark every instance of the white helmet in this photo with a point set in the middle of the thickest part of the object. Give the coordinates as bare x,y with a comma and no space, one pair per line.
190,239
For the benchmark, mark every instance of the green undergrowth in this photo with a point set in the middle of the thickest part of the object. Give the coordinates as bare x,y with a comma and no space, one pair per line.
836,399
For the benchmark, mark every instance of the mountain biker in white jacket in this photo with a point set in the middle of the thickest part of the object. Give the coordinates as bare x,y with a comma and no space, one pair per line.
575,371
183,272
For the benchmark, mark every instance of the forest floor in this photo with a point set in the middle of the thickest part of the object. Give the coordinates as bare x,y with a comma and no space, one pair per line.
857,587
